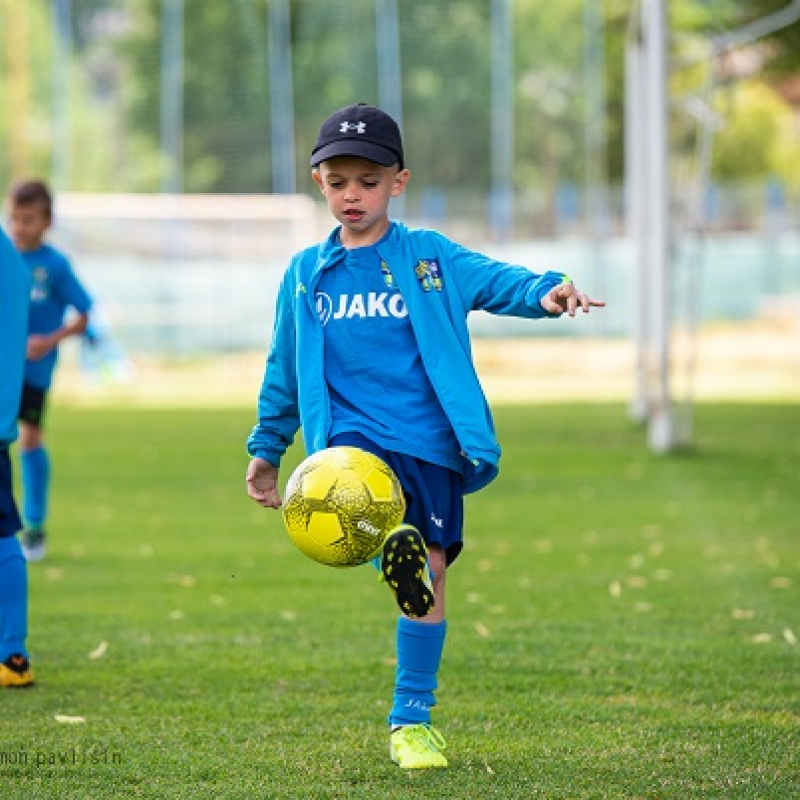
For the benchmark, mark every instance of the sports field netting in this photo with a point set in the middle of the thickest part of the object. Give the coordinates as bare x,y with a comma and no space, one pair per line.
181,306
513,126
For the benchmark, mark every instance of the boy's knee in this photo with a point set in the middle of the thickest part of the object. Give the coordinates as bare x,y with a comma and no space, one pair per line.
30,436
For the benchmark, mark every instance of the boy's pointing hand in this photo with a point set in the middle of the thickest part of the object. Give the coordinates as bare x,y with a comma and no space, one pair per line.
567,297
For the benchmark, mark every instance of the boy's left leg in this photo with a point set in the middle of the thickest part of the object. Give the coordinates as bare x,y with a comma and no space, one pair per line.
434,507
415,572
414,744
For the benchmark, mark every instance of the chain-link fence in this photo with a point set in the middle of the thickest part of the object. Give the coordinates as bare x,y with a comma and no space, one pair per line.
511,112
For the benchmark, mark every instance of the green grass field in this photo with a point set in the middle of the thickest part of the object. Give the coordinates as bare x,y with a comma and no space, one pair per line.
622,625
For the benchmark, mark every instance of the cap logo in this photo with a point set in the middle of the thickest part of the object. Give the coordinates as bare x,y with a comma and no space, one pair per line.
358,127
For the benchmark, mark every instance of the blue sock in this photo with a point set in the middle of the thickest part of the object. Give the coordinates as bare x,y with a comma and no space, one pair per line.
419,653
13,598
35,486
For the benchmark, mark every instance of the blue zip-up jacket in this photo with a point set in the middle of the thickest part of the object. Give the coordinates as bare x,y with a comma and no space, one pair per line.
441,282
14,300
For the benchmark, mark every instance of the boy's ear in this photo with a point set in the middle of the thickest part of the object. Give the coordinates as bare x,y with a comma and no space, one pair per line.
317,179
400,181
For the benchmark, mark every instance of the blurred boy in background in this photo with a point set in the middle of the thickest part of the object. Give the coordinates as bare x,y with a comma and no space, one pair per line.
54,290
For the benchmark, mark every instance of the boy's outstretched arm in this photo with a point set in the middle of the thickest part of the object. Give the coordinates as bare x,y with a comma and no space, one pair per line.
567,297
262,483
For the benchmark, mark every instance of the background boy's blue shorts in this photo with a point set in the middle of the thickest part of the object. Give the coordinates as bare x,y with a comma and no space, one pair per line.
434,500
32,405
10,522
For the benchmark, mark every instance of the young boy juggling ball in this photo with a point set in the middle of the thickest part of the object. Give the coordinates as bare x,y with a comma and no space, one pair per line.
54,289
371,349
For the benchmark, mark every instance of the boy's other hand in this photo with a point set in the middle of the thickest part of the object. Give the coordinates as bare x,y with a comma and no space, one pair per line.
39,345
567,297
262,483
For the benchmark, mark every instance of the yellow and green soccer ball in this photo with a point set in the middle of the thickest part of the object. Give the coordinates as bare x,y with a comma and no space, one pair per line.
340,504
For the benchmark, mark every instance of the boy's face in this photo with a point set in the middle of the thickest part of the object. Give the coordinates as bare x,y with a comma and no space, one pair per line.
358,193
29,222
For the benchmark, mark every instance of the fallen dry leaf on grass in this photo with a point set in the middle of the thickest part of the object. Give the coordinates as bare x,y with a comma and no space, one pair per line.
99,651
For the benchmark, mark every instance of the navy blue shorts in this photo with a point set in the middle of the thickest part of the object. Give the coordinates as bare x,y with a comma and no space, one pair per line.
10,522
434,500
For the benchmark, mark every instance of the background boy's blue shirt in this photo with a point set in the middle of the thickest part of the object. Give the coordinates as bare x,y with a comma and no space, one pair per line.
293,391
54,289
14,294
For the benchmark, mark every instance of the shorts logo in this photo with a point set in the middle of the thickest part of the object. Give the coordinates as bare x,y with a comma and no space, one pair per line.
373,304
429,275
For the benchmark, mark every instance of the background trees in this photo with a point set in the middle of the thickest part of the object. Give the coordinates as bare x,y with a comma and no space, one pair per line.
115,83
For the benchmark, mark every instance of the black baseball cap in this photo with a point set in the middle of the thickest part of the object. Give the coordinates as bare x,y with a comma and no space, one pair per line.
359,130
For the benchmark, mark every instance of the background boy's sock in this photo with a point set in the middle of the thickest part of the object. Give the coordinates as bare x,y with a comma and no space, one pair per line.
13,598
419,653
35,486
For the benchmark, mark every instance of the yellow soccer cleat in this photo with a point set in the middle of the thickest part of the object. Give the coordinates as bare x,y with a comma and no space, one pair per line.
15,672
404,565
417,747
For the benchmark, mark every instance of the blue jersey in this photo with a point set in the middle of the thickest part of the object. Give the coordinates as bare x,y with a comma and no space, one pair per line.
378,385
14,290
54,289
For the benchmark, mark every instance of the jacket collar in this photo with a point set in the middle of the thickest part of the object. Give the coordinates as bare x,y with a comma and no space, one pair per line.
331,250
393,242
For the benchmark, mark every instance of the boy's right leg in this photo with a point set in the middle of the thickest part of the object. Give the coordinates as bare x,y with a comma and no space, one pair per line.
35,463
404,565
